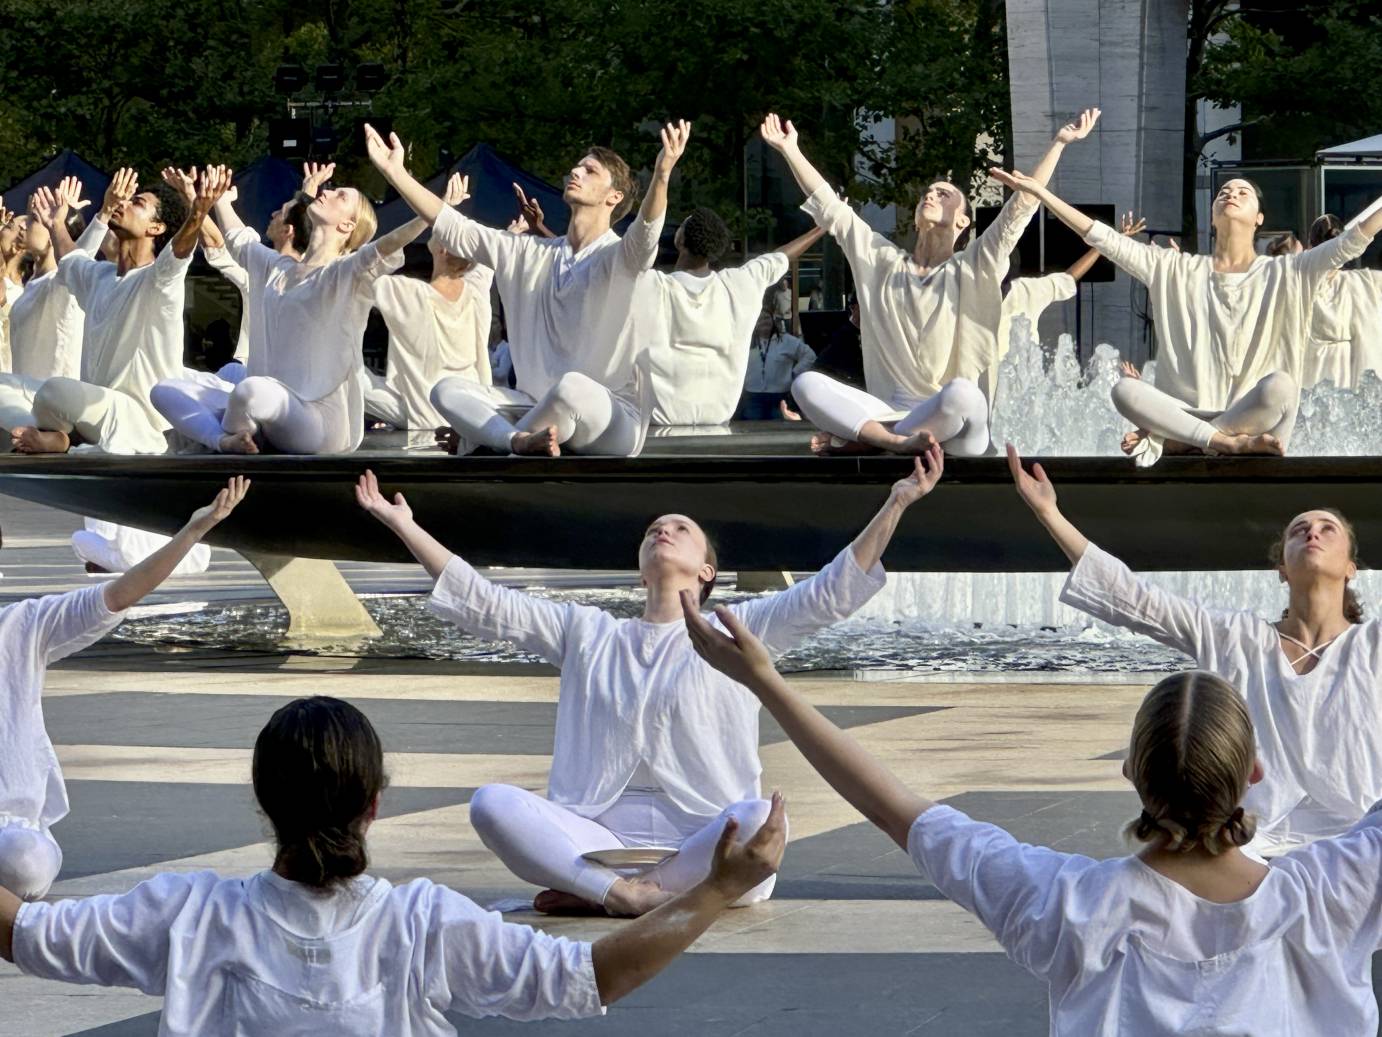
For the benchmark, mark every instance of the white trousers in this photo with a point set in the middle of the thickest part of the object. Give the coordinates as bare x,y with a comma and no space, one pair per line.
263,405
194,405
957,416
542,842
106,418
383,400
17,393
589,419
1268,407
30,858
118,549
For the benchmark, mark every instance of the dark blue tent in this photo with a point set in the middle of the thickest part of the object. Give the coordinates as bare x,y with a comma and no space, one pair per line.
65,163
263,186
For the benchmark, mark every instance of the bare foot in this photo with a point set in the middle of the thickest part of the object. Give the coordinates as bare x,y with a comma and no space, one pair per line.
447,439
238,443
538,443
30,440
1262,444
917,443
629,898
1132,440
823,444
555,902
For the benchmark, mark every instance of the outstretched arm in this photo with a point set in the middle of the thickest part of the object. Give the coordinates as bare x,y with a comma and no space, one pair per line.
1038,494
674,138
457,191
224,211
129,587
869,545
797,247
868,786
781,136
1066,213
398,517
390,159
1130,228
1067,134
211,185
531,214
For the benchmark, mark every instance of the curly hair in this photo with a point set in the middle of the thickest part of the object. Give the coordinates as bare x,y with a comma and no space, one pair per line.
704,234
172,211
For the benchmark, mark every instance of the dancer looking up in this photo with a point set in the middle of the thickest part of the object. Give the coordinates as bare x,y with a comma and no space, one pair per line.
1312,680
1345,321
1190,934
929,318
1232,326
316,945
652,747
566,302
40,631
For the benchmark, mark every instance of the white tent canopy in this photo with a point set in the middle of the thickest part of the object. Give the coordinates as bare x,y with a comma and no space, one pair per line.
1368,147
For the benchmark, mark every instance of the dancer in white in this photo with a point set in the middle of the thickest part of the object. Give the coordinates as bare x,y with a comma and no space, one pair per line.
1312,680
1232,327
437,329
698,322
929,318
1345,321
40,631
652,748
1190,935
566,303
11,256
318,946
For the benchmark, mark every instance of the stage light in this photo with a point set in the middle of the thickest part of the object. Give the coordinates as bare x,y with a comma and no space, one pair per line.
324,140
371,77
289,79
290,138
330,79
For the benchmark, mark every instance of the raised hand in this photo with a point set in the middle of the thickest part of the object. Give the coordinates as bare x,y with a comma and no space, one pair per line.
1129,370
778,134
674,138
530,211
43,207
1132,227
389,157
1016,180
184,181
1078,129
1173,244
737,868
518,225
314,174
213,183
209,515
69,194
367,495
123,186
1035,490
738,654
457,190
926,472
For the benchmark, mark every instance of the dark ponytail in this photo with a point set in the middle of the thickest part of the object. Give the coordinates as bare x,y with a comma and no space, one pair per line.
318,769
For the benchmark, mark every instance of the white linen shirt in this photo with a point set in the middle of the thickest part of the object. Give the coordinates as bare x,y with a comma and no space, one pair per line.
698,333
34,633
634,691
46,322
1345,329
265,955
220,260
1316,732
919,332
1127,952
775,361
1027,297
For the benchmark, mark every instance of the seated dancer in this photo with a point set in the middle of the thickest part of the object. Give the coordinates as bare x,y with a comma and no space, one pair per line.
929,317
774,359
1345,321
1310,680
566,303
1232,327
697,322
437,329
40,631
11,258
317,946
652,747
1190,935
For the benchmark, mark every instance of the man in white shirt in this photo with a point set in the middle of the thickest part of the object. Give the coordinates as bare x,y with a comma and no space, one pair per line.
566,302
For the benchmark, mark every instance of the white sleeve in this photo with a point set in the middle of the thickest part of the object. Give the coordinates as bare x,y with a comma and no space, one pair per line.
77,272
1317,263
168,268
994,247
638,246
490,967
114,941
487,610
1016,890
395,297
220,260
461,236
249,252
92,236
1136,258
782,620
366,265
861,244
1106,589
60,624
1342,876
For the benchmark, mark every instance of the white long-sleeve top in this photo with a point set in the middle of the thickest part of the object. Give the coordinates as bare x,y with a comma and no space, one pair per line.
265,955
1317,732
1219,334
34,633
220,260
1027,297
565,311
1127,952
431,338
132,337
1345,329
14,291
46,322
774,361
919,332
633,691
697,331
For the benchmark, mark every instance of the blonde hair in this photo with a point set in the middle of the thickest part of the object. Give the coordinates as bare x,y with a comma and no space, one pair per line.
366,223
1353,605
1190,758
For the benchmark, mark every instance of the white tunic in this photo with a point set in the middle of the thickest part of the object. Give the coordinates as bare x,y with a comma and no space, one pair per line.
1127,952
132,338
1218,334
634,691
46,322
773,362
1317,732
220,260
565,311
264,956
1345,329
431,338
918,333
1027,297
697,334
14,290
34,633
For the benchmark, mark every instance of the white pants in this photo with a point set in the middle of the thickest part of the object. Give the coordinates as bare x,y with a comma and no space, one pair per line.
957,416
30,858
542,842
106,418
17,393
1268,407
194,405
118,549
289,423
589,419
383,400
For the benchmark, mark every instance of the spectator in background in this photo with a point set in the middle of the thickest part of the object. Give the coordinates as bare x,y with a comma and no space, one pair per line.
775,358
783,307
816,300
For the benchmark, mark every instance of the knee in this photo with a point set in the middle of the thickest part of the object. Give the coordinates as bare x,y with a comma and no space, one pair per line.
59,396
808,383
750,815
446,389
165,397
1279,389
29,862
491,806
1124,393
961,396
574,387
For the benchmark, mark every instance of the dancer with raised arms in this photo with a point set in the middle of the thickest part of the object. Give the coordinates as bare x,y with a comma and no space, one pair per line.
1188,935
928,318
1345,321
316,945
566,302
1312,680
653,748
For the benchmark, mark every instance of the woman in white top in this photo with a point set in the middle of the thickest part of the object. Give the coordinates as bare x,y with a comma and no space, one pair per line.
1345,322
652,747
1312,680
929,317
316,946
1232,327
39,631
1190,934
